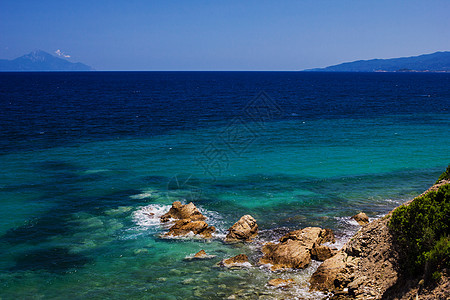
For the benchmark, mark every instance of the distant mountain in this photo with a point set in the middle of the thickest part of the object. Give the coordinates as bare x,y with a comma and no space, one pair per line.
435,62
39,60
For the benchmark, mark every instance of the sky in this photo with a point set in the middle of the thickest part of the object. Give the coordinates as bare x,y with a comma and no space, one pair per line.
219,35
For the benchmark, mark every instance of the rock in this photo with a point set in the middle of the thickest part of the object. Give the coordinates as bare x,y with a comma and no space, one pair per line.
243,230
322,252
189,220
240,260
201,254
361,218
324,277
368,267
185,227
309,236
281,283
290,254
179,211
295,248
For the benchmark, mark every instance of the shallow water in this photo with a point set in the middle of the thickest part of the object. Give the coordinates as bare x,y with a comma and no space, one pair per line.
73,199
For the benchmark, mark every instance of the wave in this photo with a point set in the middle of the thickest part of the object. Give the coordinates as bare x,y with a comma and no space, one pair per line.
149,216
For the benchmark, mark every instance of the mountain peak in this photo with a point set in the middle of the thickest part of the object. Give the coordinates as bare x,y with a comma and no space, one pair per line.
39,60
38,55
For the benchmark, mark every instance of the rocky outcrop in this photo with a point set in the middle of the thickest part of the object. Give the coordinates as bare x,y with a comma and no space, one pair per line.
309,236
365,268
179,211
201,254
294,250
238,261
361,218
331,272
185,227
243,230
287,255
281,283
188,221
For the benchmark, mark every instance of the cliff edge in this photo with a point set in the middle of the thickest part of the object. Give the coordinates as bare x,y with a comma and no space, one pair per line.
404,255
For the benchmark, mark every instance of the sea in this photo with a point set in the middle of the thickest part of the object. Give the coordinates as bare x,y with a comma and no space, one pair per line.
90,160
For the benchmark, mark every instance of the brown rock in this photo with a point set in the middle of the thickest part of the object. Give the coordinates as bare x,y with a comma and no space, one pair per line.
281,283
288,255
243,230
179,211
322,252
240,260
368,267
361,218
185,226
324,277
201,254
295,248
310,236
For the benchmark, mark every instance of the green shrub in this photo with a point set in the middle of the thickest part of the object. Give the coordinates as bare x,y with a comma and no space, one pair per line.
438,257
421,230
445,175
436,276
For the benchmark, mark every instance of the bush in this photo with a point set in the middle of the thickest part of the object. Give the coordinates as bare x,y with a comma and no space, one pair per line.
445,175
421,230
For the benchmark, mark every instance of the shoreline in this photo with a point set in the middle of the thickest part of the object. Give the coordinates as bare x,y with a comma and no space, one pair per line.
365,265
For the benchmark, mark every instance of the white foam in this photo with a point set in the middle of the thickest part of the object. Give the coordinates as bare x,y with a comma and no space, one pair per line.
192,257
394,201
149,216
350,227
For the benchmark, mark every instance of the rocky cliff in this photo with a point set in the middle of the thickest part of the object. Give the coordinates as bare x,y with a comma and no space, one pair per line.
371,265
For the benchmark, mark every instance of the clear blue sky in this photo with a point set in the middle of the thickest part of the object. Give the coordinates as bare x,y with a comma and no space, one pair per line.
223,35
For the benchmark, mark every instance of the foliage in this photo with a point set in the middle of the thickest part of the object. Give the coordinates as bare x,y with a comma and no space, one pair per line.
421,230
445,175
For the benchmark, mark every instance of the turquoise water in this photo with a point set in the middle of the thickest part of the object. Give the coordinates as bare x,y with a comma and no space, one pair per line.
85,156
79,207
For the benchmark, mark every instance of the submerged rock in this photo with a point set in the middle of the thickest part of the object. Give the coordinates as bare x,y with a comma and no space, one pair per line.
185,227
240,260
243,230
179,211
281,283
295,249
361,218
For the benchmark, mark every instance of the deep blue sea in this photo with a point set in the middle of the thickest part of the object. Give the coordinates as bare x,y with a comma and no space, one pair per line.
84,157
